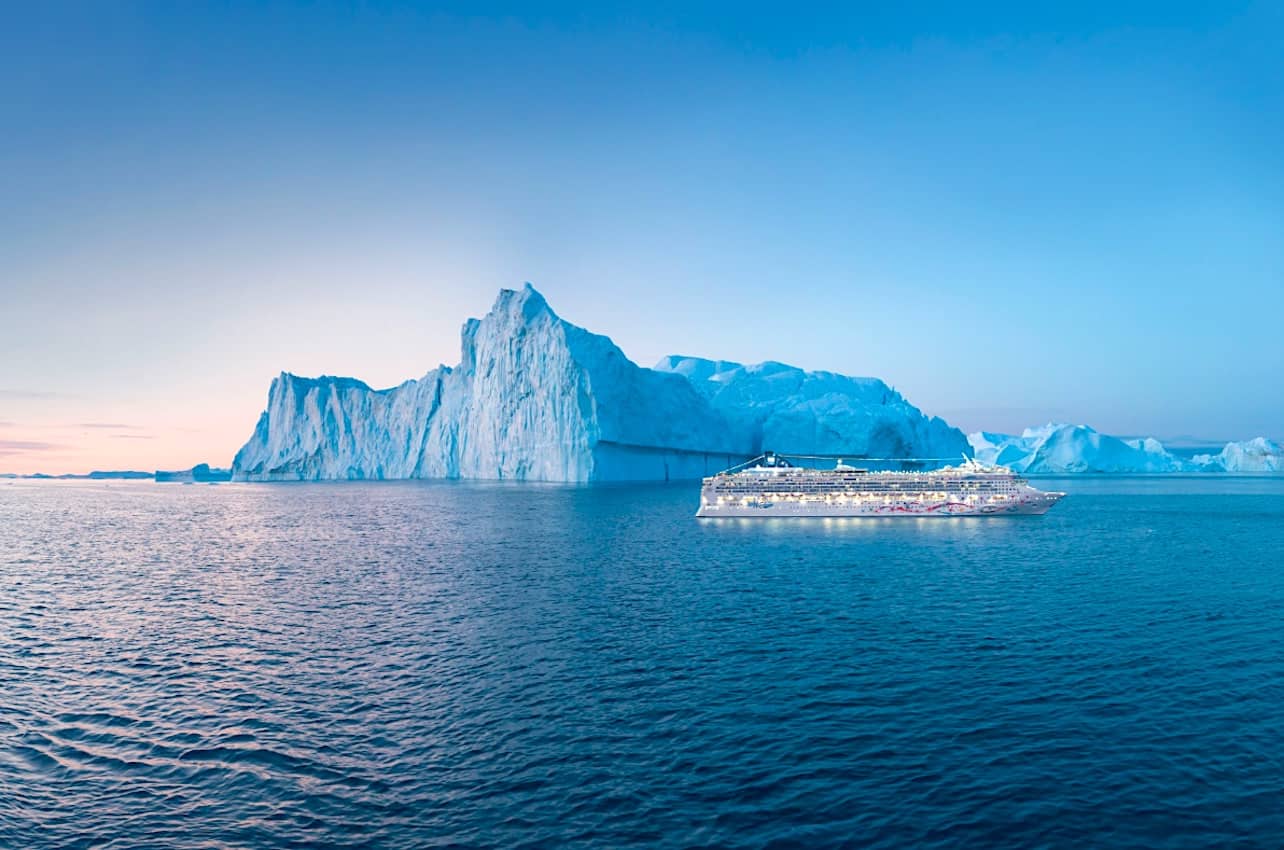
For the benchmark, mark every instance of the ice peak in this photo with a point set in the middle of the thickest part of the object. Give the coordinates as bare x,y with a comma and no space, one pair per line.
526,303
1044,431
513,310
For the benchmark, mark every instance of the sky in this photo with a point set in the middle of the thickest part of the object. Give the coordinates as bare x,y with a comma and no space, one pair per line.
1012,214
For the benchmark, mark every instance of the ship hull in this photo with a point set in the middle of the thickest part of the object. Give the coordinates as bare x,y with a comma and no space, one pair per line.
767,509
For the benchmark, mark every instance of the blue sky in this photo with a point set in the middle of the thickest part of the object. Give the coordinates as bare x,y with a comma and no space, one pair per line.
1011,214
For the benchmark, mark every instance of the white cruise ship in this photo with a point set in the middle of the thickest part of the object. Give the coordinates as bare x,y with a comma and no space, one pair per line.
770,486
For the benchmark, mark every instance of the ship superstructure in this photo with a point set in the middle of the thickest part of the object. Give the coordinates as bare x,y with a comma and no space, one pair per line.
771,486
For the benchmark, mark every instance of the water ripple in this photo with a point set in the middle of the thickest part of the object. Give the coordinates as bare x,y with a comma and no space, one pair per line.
439,665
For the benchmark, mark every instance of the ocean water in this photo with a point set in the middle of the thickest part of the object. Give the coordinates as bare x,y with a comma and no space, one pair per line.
409,665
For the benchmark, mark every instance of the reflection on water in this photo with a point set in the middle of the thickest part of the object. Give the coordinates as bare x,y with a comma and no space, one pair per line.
857,527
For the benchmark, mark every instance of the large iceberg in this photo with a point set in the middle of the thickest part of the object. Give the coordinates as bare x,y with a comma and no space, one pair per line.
535,397
1059,448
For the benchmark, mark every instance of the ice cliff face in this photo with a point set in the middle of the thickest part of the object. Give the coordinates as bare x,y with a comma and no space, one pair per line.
1058,448
537,398
326,428
785,409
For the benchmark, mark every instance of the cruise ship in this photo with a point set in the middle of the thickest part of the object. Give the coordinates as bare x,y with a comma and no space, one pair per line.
770,486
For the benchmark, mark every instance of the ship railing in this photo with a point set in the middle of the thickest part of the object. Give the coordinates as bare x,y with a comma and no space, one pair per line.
969,464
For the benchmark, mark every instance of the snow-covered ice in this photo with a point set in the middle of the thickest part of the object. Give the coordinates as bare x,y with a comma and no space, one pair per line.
786,409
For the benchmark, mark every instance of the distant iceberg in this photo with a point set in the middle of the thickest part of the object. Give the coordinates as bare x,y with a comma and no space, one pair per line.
535,397
202,473
1256,455
1059,448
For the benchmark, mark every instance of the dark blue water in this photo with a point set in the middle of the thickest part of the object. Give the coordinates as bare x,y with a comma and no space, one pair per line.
420,665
